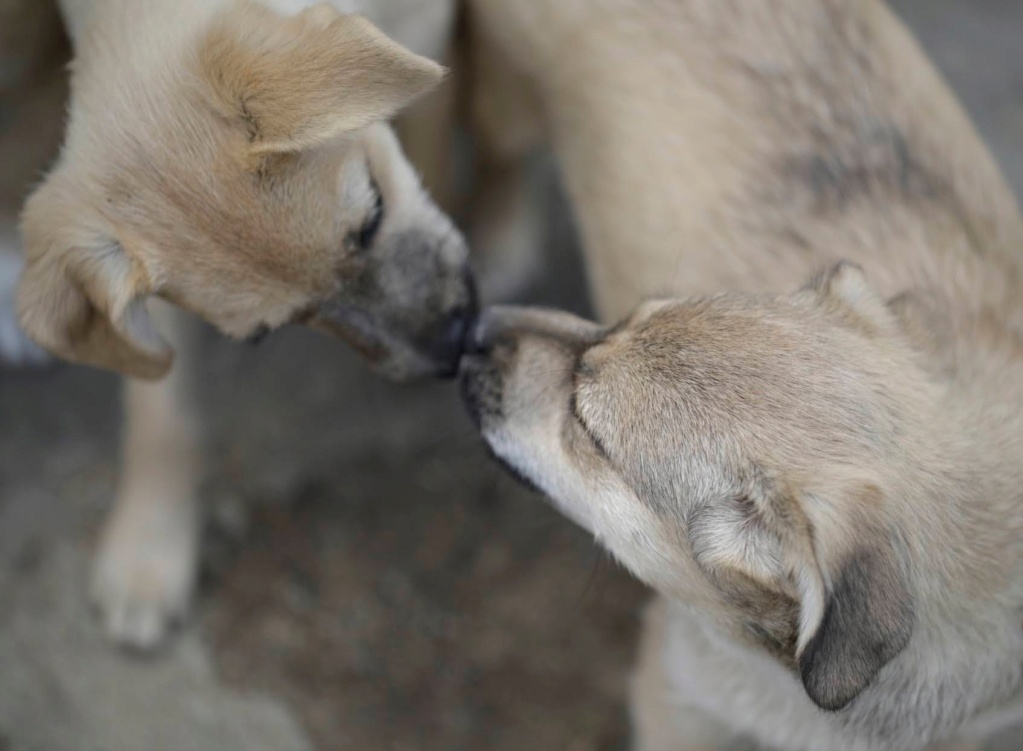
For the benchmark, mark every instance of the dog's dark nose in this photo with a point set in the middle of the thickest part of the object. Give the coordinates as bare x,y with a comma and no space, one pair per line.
454,341
478,340
456,334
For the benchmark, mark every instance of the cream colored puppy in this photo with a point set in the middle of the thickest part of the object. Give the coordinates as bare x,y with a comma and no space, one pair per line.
819,474
232,158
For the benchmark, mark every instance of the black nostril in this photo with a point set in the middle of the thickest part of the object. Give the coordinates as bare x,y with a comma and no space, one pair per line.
455,338
476,340
459,325
462,320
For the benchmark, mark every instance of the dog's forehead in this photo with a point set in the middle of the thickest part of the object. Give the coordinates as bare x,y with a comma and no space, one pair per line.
665,415
699,356
703,391
197,193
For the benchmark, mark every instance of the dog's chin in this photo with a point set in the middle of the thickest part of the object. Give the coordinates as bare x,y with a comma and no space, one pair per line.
387,355
406,365
516,474
480,386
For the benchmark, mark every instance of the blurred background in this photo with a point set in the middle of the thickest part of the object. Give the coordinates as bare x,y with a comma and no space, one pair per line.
370,580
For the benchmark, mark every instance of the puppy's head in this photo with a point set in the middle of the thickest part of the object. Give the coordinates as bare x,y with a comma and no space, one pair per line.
239,165
740,453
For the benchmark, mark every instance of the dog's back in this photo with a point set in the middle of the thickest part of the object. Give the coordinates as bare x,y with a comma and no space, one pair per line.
713,145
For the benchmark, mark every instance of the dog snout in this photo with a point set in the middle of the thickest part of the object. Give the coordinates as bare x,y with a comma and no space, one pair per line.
493,348
505,323
451,342
453,335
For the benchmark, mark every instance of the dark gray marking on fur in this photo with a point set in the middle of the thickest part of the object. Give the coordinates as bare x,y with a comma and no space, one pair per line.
867,622
877,164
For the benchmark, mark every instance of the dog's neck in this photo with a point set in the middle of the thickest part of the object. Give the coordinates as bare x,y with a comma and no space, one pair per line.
966,489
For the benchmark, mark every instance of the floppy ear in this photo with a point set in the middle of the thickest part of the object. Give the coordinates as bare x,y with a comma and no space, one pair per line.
295,82
856,611
83,298
867,621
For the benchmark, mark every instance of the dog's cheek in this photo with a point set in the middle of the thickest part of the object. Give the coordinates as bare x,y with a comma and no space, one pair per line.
765,618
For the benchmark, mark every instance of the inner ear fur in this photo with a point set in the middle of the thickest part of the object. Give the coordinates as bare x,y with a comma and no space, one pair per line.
295,82
82,297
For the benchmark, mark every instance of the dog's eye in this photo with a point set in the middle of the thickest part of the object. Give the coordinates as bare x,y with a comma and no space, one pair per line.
573,407
363,238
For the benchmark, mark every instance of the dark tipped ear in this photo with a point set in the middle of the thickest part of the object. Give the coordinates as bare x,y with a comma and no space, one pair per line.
868,619
295,82
82,297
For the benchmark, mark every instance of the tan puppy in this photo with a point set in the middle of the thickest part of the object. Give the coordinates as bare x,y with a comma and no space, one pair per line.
231,157
820,476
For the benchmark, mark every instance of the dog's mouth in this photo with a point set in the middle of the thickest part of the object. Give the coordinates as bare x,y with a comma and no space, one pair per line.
435,351
481,384
480,380
356,334
515,473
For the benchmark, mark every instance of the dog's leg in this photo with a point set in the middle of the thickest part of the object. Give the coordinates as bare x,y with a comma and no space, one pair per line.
506,220
145,568
660,720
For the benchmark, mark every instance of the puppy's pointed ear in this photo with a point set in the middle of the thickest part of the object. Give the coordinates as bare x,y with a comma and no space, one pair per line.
846,288
867,616
295,82
82,297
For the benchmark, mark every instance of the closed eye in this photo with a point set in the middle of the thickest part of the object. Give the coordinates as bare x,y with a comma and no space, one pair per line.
578,417
365,236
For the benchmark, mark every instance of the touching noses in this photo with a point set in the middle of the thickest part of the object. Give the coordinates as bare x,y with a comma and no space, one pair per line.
505,322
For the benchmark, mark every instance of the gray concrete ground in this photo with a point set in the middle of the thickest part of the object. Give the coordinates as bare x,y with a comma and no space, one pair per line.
371,581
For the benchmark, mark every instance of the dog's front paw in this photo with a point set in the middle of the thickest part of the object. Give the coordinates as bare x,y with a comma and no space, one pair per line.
144,573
